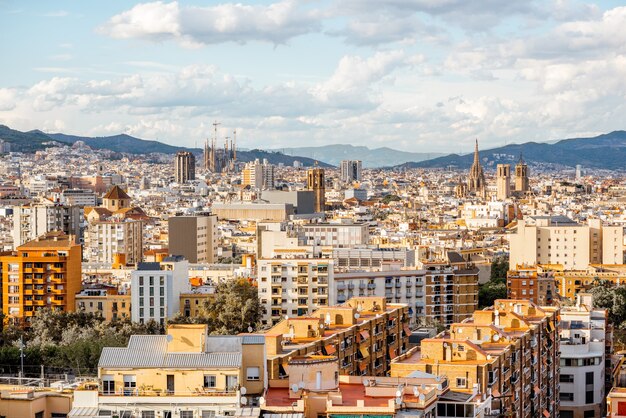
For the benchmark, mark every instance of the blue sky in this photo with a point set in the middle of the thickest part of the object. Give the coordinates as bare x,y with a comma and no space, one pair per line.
417,75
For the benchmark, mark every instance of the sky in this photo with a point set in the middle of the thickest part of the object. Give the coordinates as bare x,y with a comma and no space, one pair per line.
414,75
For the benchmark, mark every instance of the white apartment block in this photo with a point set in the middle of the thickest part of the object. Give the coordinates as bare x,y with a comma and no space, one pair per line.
79,197
293,287
338,235
32,221
371,258
107,241
442,294
156,289
584,342
258,175
560,240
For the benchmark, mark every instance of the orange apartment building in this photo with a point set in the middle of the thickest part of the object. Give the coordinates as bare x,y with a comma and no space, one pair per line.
364,335
43,273
510,352
535,284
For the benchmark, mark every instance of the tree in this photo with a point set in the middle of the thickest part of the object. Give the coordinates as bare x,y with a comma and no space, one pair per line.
390,198
491,291
235,308
499,267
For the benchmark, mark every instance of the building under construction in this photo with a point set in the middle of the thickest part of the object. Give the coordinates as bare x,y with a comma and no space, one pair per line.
220,160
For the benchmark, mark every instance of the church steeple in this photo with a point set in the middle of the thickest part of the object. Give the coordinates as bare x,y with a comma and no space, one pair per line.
476,179
476,157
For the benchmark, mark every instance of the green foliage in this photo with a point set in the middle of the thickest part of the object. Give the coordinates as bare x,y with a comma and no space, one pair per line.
390,198
67,340
613,299
235,308
499,267
490,291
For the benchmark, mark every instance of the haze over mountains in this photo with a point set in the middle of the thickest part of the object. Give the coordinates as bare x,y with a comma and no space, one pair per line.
604,151
376,157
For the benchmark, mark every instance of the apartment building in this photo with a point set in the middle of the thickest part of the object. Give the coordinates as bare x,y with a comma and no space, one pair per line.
362,335
107,239
43,273
78,197
103,302
296,286
156,289
509,352
585,343
350,170
337,235
191,304
34,220
184,374
193,237
258,175
371,258
443,295
560,240
532,283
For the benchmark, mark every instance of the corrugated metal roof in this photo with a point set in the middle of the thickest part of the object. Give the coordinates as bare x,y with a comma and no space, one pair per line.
253,339
202,360
126,357
148,342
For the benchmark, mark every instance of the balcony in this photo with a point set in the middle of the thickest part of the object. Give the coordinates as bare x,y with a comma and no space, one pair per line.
388,285
371,286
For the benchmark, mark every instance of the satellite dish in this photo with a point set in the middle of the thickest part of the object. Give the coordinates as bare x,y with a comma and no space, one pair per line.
398,401
366,382
286,317
301,385
415,391
244,400
398,394
496,337
294,388
422,398
356,315
250,329
169,338
261,400
243,390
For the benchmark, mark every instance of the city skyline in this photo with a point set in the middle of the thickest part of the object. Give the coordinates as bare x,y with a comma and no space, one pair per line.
417,76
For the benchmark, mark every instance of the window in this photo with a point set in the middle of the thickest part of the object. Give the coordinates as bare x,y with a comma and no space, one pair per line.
588,414
461,382
253,373
566,396
566,378
147,414
108,384
231,382
130,383
186,414
210,381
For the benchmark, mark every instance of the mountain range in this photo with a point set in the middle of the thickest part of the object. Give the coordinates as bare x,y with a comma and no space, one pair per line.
606,151
376,157
36,140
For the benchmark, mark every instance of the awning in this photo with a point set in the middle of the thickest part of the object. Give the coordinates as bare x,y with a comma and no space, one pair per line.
364,352
537,390
550,326
83,412
362,366
330,349
407,329
495,393
364,335
546,414
392,352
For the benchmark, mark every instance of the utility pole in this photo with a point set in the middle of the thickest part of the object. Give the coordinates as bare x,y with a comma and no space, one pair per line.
21,358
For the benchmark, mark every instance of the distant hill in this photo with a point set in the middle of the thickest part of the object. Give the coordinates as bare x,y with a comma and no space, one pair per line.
36,140
603,151
376,157
25,141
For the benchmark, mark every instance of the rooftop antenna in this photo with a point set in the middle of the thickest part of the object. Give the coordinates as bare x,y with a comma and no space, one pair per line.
235,144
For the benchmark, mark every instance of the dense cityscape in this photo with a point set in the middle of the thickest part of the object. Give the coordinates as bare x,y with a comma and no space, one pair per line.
312,209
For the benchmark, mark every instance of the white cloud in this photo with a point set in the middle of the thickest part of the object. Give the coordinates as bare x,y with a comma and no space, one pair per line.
194,26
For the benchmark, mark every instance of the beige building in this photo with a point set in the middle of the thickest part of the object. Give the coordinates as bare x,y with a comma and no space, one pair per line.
510,351
111,306
185,374
253,211
258,175
362,335
28,402
184,167
560,240
503,181
193,237
107,239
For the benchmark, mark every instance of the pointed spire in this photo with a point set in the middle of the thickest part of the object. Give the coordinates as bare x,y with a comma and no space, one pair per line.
476,158
521,158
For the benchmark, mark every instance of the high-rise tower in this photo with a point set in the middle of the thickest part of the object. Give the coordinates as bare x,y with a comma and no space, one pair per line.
503,181
315,181
476,180
521,176
184,167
